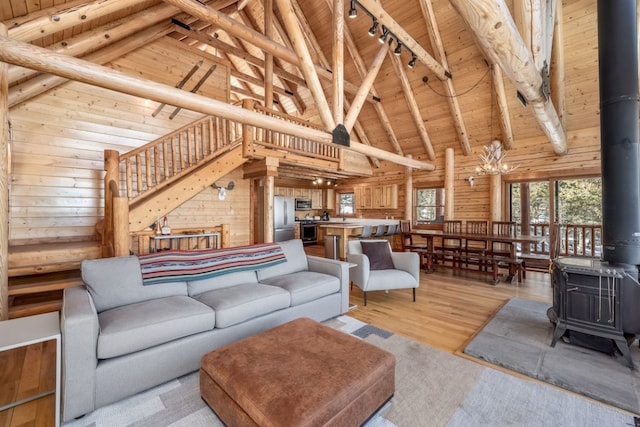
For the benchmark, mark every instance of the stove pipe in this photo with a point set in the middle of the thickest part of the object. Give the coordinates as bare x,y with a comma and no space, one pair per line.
618,66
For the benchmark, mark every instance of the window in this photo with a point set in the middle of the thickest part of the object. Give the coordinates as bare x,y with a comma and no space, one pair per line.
347,204
429,205
575,201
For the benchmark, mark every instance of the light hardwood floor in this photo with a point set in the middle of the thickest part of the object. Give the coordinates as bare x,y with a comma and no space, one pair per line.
450,307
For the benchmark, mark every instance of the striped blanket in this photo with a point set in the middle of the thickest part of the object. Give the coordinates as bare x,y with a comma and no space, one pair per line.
180,266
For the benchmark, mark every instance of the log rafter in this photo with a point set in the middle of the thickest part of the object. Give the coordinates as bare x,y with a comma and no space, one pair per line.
454,106
498,37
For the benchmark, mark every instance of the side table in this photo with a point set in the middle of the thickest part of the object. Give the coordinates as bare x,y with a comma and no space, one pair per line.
25,340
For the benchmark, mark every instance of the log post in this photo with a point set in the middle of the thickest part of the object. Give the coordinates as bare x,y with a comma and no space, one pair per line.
269,191
495,198
449,184
408,193
121,240
338,61
268,57
224,236
111,191
4,186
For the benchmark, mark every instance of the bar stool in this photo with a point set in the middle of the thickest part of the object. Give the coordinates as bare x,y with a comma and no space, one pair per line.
379,231
365,234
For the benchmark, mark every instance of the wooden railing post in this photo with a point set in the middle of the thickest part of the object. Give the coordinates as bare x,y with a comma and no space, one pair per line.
111,190
247,134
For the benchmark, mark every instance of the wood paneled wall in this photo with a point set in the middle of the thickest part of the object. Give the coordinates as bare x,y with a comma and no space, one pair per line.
57,143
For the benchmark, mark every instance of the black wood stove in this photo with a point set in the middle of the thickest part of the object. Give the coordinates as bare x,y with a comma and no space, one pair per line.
599,300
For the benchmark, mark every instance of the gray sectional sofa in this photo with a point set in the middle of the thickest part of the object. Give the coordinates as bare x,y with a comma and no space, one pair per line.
120,337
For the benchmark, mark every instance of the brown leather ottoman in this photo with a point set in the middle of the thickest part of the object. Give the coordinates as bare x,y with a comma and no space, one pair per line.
301,373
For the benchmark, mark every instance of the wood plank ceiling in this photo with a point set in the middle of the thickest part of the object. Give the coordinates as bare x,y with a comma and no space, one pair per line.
462,50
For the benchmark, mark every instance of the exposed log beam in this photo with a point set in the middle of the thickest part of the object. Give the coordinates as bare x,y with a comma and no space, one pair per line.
38,85
385,19
529,18
268,58
250,35
256,81
557,68
306,63
337,98
367,82
503,107
361,68
499,39
27,55
103,36
362,135
454,106
414,108
65,16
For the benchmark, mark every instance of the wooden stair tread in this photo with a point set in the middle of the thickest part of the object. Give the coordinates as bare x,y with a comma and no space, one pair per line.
43,286
30,259
32,309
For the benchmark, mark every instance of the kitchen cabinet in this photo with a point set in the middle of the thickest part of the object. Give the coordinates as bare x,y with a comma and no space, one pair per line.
316,199
330,199
302,193
377,196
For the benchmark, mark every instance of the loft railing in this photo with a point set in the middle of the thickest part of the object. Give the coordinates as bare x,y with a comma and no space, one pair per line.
290,143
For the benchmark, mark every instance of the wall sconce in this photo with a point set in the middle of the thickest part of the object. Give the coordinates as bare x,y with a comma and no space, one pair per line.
222,191
470,180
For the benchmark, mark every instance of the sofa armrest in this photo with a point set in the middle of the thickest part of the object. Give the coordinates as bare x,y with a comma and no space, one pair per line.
79,328
407,261
360,273
335,268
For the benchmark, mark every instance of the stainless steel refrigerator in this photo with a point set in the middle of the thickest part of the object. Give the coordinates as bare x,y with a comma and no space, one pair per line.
284,218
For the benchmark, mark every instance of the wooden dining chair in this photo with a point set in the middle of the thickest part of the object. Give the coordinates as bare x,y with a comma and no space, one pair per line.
409,245
502,228
476,247
449,248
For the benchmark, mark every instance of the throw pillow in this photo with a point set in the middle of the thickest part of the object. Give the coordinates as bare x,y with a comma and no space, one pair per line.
379,254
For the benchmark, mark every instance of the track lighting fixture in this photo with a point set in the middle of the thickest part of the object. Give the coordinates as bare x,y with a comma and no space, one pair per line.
374,28
384,36
352,10
412,63
398,49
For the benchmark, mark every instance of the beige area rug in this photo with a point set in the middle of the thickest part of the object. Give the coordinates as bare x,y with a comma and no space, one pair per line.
433,388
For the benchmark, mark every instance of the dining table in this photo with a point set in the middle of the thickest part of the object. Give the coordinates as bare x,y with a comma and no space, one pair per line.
510,240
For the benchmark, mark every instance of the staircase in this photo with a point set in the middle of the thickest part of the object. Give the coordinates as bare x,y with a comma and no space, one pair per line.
151,181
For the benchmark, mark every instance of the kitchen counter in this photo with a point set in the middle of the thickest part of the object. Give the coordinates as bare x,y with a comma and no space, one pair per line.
344,229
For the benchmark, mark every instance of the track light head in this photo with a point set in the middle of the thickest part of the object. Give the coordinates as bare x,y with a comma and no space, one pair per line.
384,36
352,10
412,63
398,49
374,28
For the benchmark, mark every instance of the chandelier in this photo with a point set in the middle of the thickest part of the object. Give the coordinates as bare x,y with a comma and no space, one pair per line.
493,160
493,157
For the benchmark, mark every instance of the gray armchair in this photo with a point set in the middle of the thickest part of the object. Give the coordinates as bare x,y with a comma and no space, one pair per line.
404,272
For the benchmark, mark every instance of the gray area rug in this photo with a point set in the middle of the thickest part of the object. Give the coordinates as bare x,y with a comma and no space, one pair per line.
519,338
433,388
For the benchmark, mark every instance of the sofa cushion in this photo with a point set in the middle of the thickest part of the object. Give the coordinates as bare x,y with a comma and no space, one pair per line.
134,327
196,287
379,254
305,286
113,282
243,302
296,261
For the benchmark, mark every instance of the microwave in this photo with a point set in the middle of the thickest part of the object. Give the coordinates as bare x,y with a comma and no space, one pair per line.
303,204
